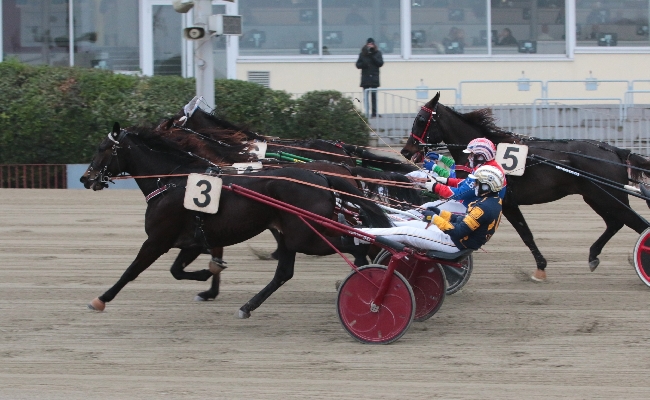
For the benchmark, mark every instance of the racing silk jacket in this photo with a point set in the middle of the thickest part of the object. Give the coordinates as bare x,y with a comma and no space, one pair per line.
474,229
462,190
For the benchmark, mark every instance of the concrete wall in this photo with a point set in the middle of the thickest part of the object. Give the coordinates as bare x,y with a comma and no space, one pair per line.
300,77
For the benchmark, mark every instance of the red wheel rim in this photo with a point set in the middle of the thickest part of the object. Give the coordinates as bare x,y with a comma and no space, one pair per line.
428,283
392,319
642,257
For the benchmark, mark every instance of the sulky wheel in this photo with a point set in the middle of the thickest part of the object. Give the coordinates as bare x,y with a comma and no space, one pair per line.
355,309
642,257
458,277
429,287
427,281
382,257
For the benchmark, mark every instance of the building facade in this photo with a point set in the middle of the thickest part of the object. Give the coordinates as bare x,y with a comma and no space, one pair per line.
303,45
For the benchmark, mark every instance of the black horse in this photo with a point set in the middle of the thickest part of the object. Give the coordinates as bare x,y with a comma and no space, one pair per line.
169,225
542,182
209,125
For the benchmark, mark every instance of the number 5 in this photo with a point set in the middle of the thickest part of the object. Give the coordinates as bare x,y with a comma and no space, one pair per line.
509,156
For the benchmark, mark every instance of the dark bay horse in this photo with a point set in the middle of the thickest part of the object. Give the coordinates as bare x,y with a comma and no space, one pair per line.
541,182
211,138
225,146
195,119
169,225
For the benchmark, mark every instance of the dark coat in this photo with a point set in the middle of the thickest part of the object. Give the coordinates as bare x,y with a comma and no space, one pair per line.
369,64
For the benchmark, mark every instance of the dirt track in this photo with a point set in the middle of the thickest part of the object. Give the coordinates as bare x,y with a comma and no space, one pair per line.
581,335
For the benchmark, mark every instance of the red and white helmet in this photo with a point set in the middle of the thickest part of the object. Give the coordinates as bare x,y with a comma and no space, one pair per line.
482,147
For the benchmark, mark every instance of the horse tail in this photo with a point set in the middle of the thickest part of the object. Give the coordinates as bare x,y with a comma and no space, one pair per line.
372,214
642,167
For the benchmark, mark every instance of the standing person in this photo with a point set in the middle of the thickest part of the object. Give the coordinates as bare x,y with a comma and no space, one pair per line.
369,62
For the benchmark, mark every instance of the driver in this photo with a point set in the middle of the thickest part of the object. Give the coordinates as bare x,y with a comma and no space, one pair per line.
452,233
481,152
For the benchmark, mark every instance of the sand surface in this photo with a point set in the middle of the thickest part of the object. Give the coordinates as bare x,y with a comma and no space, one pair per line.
581,335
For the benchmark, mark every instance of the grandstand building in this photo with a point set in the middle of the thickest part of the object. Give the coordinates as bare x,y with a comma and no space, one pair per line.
304,45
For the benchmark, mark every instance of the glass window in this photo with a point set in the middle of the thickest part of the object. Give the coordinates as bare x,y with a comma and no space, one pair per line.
219,48
36,31
612,23
449,26
279,27
528,27
348,24
106,34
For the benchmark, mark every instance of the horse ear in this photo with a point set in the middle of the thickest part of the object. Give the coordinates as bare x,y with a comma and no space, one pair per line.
116,127
435,98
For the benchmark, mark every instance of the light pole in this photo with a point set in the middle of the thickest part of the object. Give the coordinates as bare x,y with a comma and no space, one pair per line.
203,55
206,26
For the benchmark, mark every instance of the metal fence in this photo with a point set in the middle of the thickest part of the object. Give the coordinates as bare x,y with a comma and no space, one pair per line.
33,176
608,119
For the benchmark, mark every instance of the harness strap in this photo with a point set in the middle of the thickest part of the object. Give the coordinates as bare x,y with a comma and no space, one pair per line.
156,193
431,118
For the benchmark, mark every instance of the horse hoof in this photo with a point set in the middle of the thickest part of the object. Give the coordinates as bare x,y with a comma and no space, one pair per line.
97,305
593,264
242,314
538,276
201,297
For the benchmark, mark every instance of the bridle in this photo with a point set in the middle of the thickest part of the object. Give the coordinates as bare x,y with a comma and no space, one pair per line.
430,119
103,176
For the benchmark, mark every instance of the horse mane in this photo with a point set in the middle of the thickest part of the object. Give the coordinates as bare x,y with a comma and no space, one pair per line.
483,119
182,141
224,124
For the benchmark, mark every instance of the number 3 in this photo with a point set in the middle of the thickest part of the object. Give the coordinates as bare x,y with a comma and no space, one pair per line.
205,192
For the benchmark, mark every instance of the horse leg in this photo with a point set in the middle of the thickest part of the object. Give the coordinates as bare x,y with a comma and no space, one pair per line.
283,272
216,266
211,293
278,236
516,218
185,258
613,224
360,254
149,252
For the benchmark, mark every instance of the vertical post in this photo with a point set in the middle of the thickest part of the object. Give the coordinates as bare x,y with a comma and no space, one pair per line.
1,49
203,54
71,31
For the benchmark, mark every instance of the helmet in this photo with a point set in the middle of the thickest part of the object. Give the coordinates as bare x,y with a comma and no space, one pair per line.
482,147
490,176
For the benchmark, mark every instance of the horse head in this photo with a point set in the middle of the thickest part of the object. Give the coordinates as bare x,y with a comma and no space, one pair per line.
437,123
424,131
105,163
